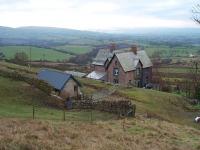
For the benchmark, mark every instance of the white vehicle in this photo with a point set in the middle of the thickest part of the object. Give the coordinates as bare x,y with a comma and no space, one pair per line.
197,119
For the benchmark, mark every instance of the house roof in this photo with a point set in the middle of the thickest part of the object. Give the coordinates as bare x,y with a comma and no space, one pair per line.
126,57
96,75
144,58
128,60
55,78
101,57
76,74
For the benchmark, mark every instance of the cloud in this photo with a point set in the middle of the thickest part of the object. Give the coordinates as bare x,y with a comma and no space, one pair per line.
96,14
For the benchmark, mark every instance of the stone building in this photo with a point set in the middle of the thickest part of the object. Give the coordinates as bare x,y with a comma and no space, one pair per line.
125,67
65,85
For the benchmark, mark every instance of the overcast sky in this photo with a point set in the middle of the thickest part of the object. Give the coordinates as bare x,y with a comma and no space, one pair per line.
97,14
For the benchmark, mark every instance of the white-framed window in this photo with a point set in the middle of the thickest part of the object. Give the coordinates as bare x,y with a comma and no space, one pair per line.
115,81
115,71
138,72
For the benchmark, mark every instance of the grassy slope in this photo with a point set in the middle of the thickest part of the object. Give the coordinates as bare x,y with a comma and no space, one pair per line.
17,99
37,53
76,49
166,106
141,133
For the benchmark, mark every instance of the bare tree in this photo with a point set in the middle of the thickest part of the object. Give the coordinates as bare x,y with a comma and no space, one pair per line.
196,13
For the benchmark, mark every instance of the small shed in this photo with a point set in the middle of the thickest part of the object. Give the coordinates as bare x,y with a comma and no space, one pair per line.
65,85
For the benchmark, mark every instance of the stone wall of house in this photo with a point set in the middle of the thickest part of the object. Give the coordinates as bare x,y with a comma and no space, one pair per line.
70,89
146,76
99,68
123,78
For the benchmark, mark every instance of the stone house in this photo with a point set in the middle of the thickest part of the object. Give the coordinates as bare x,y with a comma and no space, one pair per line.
125,67
65,85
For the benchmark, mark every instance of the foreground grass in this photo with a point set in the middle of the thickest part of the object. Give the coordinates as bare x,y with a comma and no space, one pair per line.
139,133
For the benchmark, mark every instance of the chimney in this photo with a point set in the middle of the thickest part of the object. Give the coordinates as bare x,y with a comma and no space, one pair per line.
134,49
112,47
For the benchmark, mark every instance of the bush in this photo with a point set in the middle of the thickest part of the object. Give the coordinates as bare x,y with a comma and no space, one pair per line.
166,88
20,58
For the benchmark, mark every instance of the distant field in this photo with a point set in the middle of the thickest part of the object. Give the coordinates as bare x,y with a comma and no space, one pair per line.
176,51
174,70
76,49
37,53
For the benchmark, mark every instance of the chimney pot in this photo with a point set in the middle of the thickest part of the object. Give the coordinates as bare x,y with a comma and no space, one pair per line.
134,49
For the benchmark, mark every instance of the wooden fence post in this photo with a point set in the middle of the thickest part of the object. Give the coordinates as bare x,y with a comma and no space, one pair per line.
64,115
33,111
91,109
134,110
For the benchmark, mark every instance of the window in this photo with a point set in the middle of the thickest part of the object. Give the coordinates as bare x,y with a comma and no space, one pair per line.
138,71
115,71
147,79
115,81
75,88
116,62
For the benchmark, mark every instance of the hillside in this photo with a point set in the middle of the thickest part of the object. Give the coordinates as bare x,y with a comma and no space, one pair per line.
155,104
163,120
150,103
48,131
49,36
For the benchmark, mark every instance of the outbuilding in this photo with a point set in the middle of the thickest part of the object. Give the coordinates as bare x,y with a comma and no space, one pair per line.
65,85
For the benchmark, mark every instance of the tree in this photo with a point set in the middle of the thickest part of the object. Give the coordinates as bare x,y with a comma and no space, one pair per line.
2,56
195,76
196,13
21,58
192,82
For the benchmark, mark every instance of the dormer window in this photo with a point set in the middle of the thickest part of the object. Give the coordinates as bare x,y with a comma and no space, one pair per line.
115,71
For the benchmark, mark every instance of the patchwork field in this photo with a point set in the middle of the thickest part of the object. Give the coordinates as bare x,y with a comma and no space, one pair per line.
37,54
166,51
75,49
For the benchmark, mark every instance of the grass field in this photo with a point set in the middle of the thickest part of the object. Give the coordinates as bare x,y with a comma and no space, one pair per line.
170,52
17,99
37,54
166,106
139,134
75,49
163,121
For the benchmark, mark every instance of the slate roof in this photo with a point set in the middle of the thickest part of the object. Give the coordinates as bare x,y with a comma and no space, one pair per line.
128,60
76,74
101,57
97,75
144,58
57,79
